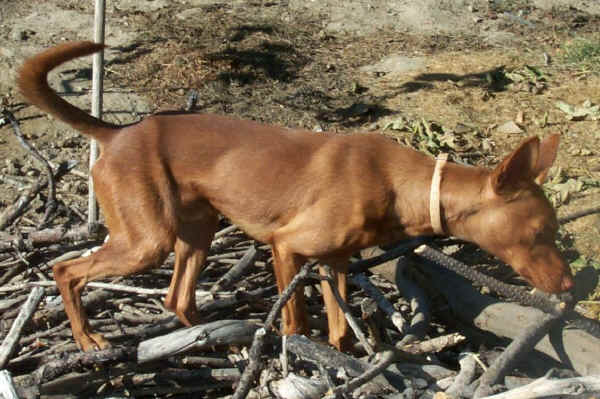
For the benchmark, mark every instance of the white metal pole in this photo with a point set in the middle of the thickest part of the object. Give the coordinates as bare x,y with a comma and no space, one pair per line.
97,82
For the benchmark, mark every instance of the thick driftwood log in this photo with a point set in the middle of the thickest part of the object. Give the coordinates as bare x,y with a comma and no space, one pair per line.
7,389
545,387
222,332
573,347
296,387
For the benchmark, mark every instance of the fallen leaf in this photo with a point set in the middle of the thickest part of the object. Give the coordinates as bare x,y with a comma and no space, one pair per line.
579,113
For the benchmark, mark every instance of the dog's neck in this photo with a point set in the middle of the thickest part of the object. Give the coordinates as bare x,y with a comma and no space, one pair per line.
461,193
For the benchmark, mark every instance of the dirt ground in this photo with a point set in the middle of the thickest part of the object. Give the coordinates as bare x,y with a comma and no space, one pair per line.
457,70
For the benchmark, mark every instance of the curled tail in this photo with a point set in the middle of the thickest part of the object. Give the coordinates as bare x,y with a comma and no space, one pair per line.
33,84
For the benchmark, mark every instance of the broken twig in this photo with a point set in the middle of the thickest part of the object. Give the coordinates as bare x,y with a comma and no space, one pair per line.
51,203
11,339
258,344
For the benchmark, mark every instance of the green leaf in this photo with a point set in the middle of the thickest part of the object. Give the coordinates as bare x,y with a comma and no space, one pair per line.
579,263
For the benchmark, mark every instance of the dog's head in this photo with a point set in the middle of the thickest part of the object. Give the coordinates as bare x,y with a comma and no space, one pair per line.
517,223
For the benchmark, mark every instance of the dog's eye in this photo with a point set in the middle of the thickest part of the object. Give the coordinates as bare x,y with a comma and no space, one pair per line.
542,235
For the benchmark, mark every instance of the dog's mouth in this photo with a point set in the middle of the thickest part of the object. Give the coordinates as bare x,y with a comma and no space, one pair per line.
552,284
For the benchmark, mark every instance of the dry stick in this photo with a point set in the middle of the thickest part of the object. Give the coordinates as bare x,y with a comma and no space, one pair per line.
520,346
202,361
579,214
283,357
51,203
401,249
122,288
15,330
56,368
419,305
325,354
63,258
253,368
12,212
41,334
7,389
468,367
73,171
538,300
386,359
433,345
57,313
44,237
363,282
351,320
236,271
164,391
225,231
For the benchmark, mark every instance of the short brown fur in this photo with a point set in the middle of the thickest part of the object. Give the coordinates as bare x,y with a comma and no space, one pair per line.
162,182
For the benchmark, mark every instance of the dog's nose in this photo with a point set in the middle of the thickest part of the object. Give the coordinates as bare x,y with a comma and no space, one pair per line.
567,283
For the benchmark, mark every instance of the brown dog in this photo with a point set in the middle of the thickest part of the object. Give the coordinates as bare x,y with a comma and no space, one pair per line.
161,183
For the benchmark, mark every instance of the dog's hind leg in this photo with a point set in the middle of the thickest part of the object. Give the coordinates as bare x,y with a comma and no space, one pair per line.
115,258
191,248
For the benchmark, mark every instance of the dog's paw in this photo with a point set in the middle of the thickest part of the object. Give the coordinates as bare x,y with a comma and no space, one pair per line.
92,342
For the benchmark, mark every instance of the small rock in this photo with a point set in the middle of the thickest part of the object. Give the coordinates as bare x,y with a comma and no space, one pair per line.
509,127
32,172
421,383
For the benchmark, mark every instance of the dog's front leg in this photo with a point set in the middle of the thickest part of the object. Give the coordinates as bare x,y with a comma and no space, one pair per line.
286,265
336,320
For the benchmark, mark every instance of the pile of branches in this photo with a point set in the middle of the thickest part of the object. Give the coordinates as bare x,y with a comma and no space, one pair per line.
404,345
238,349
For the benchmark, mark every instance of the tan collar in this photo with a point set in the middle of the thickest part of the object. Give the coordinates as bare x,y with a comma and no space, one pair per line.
434,196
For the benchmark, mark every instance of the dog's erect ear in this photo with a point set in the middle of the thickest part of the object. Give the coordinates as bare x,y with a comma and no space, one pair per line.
547,155
520,165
